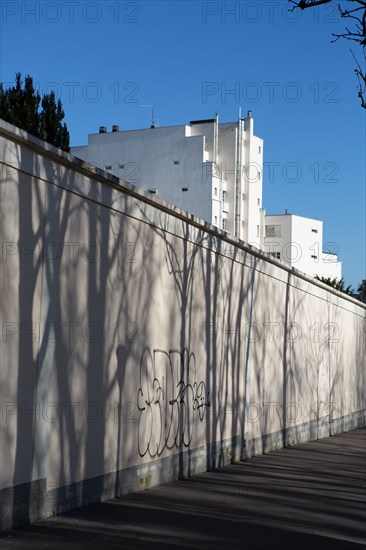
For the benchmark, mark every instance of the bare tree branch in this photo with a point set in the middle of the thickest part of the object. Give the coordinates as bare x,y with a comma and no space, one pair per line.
361,77
356,11
303,4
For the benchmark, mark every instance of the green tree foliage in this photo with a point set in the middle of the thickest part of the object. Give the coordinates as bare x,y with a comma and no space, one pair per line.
338,284
361,291
21,106
50,123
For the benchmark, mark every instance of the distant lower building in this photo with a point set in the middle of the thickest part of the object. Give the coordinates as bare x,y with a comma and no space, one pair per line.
298,241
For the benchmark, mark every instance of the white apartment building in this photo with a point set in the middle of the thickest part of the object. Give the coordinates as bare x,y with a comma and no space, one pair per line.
298,241
214,171
210,169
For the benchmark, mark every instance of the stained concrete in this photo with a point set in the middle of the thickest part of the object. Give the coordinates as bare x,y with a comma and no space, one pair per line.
311,495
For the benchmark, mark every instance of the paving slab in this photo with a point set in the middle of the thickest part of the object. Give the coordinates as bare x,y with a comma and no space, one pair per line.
310,496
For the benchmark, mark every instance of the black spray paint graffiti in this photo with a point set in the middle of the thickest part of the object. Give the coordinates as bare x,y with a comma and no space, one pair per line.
169,400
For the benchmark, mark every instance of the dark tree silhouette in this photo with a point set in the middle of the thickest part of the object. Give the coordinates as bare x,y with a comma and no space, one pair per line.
20,106
51,129
361,291
355,12
338,284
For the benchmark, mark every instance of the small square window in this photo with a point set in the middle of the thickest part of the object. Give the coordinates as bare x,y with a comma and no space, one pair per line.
314,257
273,231
184,188
153,191
314,230
176,162
224,223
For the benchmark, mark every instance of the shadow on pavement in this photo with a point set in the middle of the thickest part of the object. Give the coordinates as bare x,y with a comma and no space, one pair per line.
308,496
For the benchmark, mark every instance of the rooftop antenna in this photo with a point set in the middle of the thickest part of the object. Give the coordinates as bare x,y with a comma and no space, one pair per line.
154,115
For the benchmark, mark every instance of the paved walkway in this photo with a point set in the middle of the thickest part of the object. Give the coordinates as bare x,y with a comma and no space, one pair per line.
305,497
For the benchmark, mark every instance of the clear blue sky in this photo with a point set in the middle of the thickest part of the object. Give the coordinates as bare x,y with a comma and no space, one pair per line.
106,59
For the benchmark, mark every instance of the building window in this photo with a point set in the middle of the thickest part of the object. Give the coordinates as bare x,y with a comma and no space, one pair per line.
276,255
223,196
109,167
175,162
153,191
314,257
216,220
122,166
224,223
259,175
273,231
258,202
184,188
257,230
314,230
215,191
259,149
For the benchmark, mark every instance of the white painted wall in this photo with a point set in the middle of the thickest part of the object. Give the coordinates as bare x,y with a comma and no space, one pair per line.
253,181
227,168
161,159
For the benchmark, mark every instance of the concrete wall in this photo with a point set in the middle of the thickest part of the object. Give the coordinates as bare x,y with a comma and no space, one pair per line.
140,345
